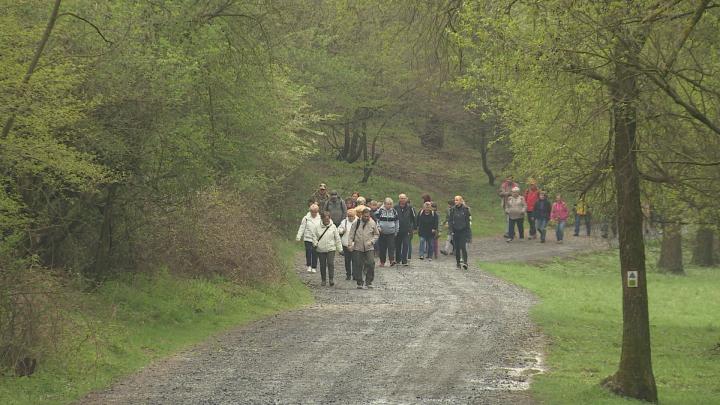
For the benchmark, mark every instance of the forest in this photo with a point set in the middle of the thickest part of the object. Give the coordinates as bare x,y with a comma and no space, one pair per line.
152,146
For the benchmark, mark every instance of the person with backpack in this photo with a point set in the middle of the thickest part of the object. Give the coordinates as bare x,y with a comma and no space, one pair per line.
326,241
559,215
406,219
336,207
427,223
305,233
459,221
363,235
515,210
531,196
582,214
541,211
344,230
388,225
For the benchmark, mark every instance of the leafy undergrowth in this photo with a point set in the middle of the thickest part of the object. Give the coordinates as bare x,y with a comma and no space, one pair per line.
580,311
128,323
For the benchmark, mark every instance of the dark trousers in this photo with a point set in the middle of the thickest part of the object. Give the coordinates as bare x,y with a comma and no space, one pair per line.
460,239
348,255
402,244
311,257
520,227
531,222
364,265
387,247
327,263
579,218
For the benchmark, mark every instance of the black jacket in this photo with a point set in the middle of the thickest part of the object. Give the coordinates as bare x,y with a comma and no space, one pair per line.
426,224
542,209
406,216
459,218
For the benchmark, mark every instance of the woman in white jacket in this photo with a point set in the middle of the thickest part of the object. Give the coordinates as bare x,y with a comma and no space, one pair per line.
344,230
326,241
309,223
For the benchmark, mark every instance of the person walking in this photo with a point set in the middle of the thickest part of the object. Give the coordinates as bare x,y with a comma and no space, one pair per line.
326,241
448,249
559,215
515,210
336,207
360,206
305,233
363,235
531,196
406,218
427,224
582,214
321,196
541,211
459,221
388,225
504,192
344,230
436,238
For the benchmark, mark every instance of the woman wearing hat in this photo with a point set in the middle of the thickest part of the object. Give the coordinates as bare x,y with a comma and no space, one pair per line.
515,210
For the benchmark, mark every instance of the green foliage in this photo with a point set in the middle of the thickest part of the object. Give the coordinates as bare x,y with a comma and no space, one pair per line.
130,322
584,327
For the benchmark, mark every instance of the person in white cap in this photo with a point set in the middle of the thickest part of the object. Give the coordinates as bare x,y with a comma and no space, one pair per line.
515,210
321,196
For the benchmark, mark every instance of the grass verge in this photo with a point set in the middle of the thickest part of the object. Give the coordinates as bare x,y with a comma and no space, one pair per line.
580,311
128,323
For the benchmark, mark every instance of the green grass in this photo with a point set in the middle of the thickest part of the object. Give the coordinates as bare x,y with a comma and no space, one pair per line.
580,310
143,318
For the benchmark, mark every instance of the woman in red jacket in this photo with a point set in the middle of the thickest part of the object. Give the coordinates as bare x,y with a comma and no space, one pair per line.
532,194
559,214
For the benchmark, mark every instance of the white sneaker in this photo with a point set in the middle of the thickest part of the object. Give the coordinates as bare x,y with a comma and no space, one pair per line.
309,270
314,270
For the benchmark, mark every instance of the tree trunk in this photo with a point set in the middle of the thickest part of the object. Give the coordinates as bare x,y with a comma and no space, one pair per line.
484,158
703,252
33,64
634,377
671,250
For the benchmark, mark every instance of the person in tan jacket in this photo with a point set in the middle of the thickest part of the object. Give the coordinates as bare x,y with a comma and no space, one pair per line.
363,235
515,210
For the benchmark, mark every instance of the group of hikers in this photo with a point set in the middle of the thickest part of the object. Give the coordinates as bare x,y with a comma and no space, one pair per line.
361,229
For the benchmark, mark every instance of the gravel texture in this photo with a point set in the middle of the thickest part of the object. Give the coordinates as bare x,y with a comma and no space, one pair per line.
427,333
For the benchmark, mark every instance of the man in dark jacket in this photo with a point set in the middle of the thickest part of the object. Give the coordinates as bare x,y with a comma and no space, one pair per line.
406,219
336,207
459,221
541,212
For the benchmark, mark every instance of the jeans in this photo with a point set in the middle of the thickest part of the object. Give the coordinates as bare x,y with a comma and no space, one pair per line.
560,230
531,222
311,258
449,245
577,223
402,242
410,238
364,265
327,262
460,244
387,247
541,224
426,247
348,261
520,227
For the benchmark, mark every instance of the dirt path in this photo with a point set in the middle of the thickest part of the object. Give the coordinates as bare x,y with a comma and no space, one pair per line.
427,333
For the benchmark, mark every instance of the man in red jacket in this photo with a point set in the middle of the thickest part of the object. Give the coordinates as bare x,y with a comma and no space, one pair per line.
532,194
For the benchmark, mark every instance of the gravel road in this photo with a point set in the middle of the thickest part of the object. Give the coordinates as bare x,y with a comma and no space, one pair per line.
427,333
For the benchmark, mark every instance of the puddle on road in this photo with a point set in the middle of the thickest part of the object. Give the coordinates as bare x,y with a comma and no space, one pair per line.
512,378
